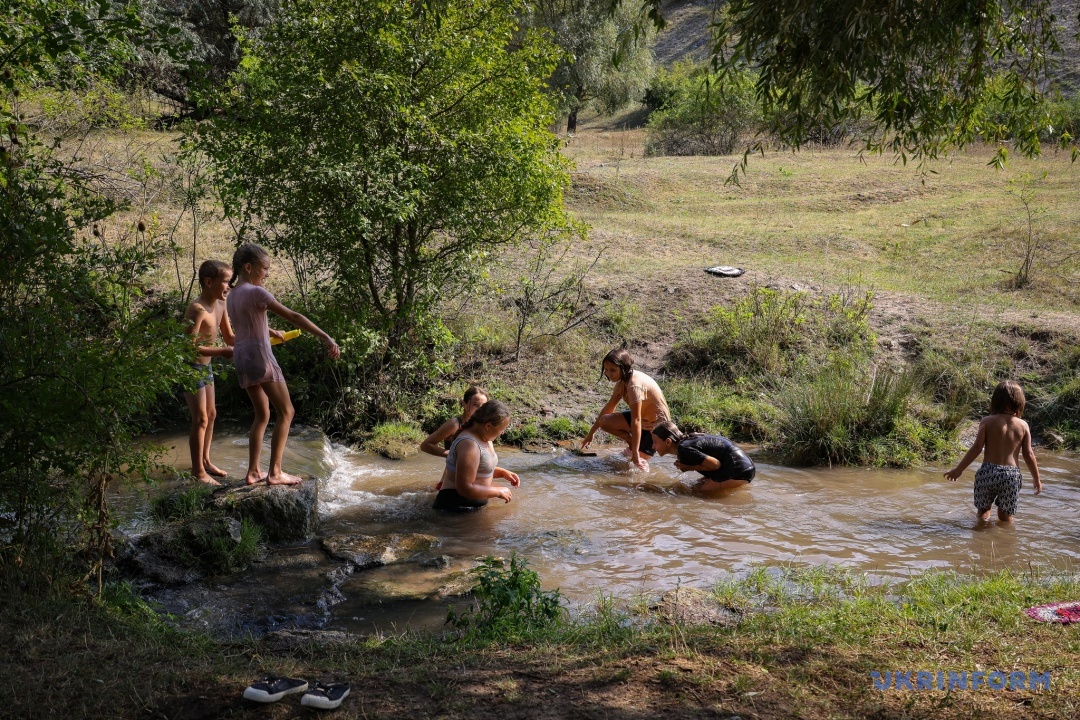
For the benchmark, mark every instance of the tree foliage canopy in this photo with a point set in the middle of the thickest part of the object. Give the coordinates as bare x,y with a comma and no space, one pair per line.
386,149
918,71
593,34
84,351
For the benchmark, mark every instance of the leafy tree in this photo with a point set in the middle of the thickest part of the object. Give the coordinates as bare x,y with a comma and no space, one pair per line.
206,44
606,57
918,71
386,149
84,352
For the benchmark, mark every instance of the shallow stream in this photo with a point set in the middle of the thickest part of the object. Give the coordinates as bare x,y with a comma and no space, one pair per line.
590,525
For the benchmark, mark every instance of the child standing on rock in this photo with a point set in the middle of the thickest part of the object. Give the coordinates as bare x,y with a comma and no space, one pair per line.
256,368
1004,437
204,319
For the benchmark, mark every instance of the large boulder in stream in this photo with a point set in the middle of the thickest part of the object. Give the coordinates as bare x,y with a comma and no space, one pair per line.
368,551
285,512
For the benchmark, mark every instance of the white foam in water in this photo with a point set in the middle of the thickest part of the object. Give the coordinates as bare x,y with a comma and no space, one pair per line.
340,491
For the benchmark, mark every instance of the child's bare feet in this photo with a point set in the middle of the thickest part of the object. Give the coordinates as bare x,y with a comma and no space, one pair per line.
254,477
283,478
204,478
214,469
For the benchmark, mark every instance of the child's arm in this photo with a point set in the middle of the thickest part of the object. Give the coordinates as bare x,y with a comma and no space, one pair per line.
1029,458
708,464
607,409
468,460
510,477
226,329
433,444
303,323
972,453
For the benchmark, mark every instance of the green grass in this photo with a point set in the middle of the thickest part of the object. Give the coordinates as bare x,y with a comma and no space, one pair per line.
844,415
739,411
181,504
831,217
395,440
805,646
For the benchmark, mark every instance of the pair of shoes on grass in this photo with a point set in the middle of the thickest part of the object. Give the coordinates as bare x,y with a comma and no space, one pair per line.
321,697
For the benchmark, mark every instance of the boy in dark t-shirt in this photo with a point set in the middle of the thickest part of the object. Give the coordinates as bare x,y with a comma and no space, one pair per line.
722,464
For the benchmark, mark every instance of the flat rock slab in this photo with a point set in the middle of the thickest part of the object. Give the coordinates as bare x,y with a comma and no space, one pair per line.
690,606
368,551
285,641
285,512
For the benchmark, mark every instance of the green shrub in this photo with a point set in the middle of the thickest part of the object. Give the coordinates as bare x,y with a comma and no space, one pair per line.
522,433
395,440
208,544
226,555
509,602
772,334
844,416
698,405
667,84
704,113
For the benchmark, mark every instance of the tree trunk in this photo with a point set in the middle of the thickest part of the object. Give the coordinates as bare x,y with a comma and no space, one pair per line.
571,122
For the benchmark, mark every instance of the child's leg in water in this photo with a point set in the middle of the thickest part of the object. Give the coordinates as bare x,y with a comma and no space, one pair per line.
705,487
278,393
211,417
983,514
196,403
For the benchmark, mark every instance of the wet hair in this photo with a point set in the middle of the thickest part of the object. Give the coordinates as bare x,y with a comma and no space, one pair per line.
492,412
1008,397
669,431
621,359
246,253
472,392
212,270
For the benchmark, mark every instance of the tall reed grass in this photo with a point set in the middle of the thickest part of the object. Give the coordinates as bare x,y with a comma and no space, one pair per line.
844,415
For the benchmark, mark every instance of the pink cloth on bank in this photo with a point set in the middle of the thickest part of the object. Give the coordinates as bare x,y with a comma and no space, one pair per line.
252,357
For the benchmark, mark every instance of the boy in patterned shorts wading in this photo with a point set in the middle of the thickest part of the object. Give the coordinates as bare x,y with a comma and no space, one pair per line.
1003,436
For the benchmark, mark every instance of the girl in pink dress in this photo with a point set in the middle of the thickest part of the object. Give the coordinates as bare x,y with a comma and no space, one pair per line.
256,367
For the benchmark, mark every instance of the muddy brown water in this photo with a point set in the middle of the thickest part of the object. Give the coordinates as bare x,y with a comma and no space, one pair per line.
591,525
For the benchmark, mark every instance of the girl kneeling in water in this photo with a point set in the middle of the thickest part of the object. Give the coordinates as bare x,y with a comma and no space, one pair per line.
722,464
471,463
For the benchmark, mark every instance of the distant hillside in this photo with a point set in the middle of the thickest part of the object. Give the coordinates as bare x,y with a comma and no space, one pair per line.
687,34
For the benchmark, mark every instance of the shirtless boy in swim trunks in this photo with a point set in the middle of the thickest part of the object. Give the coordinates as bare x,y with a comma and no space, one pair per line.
204,319
1004,437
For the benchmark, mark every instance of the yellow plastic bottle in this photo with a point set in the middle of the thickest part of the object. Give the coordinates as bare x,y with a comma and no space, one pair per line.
290,335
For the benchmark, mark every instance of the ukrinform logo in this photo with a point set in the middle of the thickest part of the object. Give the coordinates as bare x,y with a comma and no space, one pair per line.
941,680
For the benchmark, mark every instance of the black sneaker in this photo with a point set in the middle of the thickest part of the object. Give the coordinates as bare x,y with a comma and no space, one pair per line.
271,689
325,697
